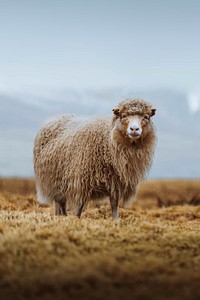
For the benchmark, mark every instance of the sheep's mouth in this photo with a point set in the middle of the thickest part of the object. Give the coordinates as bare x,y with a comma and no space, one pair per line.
134,136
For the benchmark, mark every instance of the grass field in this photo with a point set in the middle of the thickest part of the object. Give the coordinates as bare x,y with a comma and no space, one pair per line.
153,252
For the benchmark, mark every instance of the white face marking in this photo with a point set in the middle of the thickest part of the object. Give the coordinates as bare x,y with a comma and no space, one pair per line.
134,129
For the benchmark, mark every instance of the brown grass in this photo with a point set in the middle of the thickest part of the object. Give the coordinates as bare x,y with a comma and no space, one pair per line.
164,193
152,253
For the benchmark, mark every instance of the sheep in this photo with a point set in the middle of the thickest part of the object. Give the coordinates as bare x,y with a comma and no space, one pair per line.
76,161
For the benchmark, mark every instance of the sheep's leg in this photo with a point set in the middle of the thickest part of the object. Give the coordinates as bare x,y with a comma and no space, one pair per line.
78,210
114,207
60,208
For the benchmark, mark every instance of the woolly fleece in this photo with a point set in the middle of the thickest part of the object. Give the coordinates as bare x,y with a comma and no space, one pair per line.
77,161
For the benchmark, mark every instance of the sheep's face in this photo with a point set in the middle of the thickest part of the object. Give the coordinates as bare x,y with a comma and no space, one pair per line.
132,126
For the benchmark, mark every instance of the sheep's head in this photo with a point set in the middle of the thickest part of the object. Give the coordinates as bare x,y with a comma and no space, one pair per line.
132,119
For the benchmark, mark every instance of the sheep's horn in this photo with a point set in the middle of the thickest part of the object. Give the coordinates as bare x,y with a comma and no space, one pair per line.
116,111
153,112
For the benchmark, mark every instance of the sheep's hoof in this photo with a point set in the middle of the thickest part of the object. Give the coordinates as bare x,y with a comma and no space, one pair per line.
60,209
78,211
115,217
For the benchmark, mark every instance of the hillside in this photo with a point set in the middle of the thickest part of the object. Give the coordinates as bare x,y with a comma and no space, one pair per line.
178,148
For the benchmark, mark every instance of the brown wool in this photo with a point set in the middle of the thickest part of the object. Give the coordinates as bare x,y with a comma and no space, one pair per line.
78,160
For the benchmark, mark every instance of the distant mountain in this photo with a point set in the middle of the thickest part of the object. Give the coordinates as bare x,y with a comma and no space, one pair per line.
16,114
21,116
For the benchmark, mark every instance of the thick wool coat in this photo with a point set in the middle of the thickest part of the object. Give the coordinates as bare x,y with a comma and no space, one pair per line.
80,160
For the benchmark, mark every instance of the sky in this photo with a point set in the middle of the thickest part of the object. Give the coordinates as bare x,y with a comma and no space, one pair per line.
96,51
96,44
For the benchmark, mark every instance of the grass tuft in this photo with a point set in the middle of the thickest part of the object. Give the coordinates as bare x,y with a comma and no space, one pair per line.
153,252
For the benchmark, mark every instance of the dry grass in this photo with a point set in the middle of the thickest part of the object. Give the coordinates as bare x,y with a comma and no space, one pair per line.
164,193
152,253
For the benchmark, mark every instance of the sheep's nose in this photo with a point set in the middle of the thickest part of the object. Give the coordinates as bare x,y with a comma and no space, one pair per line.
134,128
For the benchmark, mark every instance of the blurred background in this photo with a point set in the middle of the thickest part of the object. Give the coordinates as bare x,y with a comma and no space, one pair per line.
83,57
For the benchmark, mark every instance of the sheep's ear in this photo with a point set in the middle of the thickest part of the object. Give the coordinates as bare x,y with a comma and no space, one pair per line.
116,111
153,112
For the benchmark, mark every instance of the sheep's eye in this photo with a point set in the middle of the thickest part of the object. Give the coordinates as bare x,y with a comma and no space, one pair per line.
146,117
124,116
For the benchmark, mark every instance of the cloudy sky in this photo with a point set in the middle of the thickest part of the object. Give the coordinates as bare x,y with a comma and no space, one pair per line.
53,44
58,54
